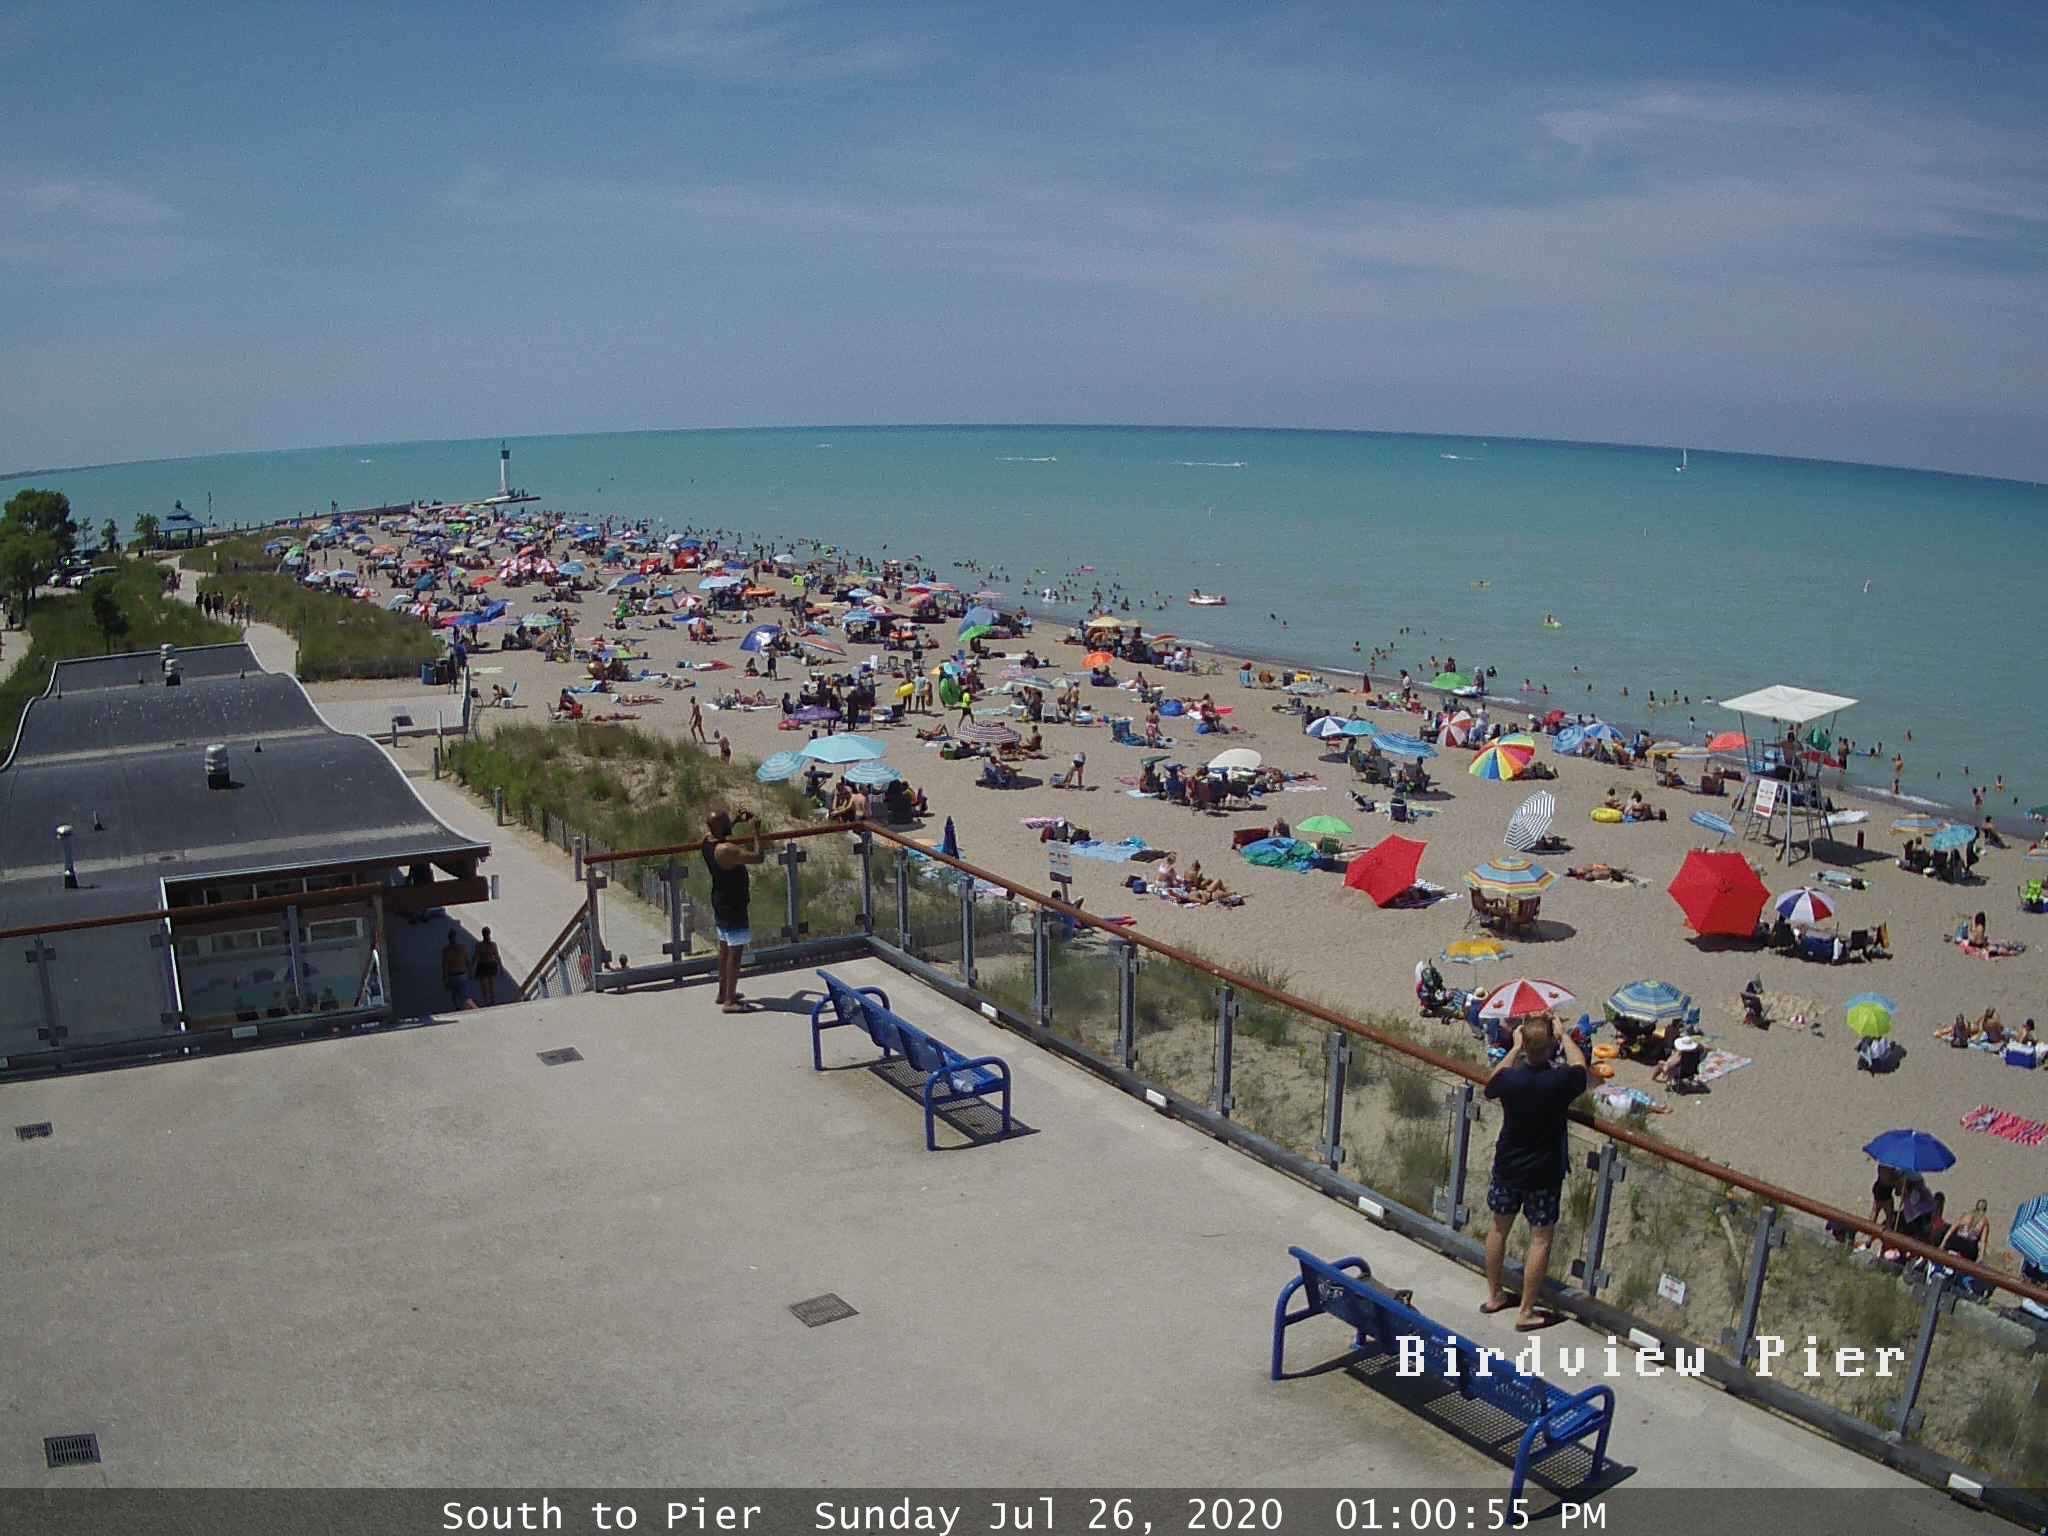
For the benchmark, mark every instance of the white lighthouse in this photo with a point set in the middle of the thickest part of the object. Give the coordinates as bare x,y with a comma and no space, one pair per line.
504,470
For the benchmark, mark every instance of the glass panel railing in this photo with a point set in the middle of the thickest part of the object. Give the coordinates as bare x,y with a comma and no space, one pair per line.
1002,944
1085,982
1279,1073
1840,1297
1984,1399
1397,1128
935,913
1677,1246
1176,1027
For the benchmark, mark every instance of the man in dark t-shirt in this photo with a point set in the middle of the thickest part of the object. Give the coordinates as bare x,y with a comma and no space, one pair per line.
1535,1091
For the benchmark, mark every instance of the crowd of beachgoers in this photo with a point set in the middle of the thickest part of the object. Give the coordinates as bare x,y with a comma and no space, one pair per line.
1372,835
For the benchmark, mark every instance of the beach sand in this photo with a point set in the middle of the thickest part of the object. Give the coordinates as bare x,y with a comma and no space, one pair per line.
1798,1116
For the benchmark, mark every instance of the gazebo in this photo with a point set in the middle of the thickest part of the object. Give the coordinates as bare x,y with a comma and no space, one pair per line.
181,530
1801,805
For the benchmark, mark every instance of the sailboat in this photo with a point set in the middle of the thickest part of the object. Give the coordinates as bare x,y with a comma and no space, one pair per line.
1679,467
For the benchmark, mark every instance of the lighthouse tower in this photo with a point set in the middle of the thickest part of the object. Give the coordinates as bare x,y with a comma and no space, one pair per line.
504,470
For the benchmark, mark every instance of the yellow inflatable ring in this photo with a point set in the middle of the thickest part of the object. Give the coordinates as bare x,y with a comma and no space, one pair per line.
1603,1070
1606,813
1606,1052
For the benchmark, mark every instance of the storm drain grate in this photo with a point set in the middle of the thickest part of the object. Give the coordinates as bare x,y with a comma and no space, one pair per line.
561,1057
820,1310
32,1132
71,1450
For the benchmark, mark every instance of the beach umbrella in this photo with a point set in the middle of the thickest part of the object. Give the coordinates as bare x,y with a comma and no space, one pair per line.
1096,659
1729,741
976,632
1720,825
1104,621
571,568
2030,1231
1504,759
538,620
1403,746
949,843
1455,731
1325,728
844,749
874,775
1651,1002
760,639
1450,682
1870,1015
1952,837
989,733
1237,759
977,616
1531,821
814,643
1803,906
1360,728
1524,998
783,765
1510,875
1475,951
1323,826
1719,893
1386,869
1910,1152
1912,824
717,583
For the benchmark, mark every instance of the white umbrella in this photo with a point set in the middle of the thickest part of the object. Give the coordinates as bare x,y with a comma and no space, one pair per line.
1531,821
1237,759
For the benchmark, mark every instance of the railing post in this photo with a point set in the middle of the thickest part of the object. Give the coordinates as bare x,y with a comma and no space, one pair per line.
678,938
1041,967
1610,1170
1743,1340
1339,1050
295,959
867,881
1455,1215
498,803
577,855
40,955
903,899
437,760
1226,1033
1127,1004
793,925
1908,1416
593,927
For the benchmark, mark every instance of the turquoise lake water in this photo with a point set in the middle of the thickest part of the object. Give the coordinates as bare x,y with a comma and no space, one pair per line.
1738,572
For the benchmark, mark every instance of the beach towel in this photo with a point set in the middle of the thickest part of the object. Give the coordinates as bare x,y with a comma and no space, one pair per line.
1615,1096
1110,853
2006,1126
1719,1064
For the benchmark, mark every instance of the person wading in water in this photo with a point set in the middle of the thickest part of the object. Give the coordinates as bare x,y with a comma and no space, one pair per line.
727,863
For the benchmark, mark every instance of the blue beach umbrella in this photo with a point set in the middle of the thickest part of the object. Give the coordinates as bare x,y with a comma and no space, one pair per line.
975,618
1403,746
425,584
873,774
1654,1002
1717,824
571,568
1360,728
1910,1152
1952,837
630,579
758,639
717,583
783,765
2030,1231
1917,824
844,749
1325,728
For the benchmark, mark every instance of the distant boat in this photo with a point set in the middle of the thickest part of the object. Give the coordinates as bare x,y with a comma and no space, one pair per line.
1201,599
1679,467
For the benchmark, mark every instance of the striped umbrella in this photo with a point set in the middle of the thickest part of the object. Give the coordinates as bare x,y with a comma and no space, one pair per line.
874,774
989,733
1503,759
783,765
1720,825
1653,1002
1523,998
1531,822
1326,727
1403,746
1456,730
1510,875
2029,1237
1952,837
1475,951
1802,907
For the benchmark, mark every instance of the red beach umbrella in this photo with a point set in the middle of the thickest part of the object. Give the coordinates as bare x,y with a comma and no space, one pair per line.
1729,741
1386,869
1719,893
1524,998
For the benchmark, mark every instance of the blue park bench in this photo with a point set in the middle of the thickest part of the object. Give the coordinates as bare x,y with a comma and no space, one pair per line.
950,1076
1552,1419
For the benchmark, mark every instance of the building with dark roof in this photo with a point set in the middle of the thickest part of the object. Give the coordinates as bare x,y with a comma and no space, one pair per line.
198,787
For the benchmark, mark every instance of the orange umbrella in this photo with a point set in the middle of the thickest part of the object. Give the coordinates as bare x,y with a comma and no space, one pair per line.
1099,659
1729,741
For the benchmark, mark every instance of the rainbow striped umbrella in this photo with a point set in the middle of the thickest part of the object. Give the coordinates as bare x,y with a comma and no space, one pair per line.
1508,758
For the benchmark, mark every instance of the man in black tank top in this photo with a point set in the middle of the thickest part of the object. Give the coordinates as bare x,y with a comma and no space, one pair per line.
726,861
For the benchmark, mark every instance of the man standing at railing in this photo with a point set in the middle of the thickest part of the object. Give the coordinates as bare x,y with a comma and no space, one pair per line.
727,862
1535,1091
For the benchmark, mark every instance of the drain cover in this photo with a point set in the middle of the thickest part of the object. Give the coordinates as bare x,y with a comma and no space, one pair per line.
31,1132
561,1057
71,1450
820,1310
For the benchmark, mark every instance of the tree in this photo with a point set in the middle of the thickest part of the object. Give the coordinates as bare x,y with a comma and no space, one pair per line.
27,559
110,536
147,528
43,512
106,613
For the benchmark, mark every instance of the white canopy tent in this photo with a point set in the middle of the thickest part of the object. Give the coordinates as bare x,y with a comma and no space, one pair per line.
1805,813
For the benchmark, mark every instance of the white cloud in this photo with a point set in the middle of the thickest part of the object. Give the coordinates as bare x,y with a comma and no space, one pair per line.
766,42
93,202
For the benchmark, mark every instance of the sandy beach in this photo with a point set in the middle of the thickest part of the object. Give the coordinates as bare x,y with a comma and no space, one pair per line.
1798,1115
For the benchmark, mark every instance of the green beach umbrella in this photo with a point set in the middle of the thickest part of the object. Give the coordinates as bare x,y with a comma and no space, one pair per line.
976,632
1324,826
1870,1016
1451,682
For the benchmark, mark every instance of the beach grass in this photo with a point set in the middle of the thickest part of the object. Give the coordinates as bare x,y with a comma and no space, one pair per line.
338,637
61,625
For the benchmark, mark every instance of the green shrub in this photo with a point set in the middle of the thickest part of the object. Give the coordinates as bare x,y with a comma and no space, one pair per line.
338,637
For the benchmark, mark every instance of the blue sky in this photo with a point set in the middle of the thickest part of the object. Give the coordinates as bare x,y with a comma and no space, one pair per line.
1788,228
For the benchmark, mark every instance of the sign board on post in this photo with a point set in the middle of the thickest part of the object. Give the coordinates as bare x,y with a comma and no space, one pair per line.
1766,798
1061,861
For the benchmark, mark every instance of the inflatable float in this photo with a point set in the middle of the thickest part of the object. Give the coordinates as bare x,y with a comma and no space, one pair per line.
1606,813
1201,599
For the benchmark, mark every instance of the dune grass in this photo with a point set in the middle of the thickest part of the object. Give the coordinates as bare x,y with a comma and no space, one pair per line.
338,636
